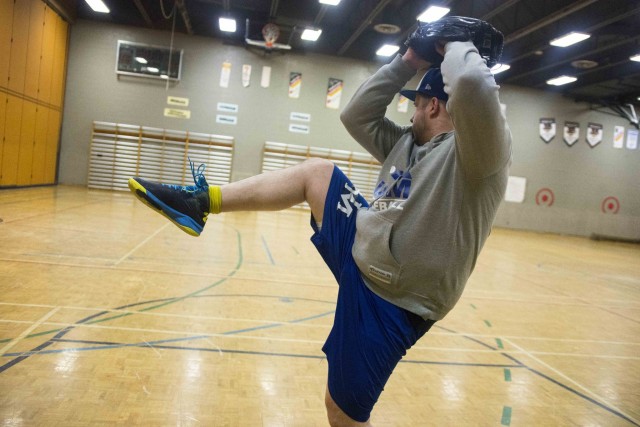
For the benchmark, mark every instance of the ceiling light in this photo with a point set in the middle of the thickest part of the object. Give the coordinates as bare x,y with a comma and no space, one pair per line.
569,39
228,25
152,70
387,50
635,57
141,60
310,34
562,80
331,2
98,6
498,68
433,14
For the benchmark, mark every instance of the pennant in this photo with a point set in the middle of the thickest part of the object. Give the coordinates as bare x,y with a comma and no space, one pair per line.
334,93
295,82
246,75
547,129
225,73
266,76
571,133
594,134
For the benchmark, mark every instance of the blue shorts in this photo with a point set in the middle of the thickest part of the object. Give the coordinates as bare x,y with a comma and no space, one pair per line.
369,335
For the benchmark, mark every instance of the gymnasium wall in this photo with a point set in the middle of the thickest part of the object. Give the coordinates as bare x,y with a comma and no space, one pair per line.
581,178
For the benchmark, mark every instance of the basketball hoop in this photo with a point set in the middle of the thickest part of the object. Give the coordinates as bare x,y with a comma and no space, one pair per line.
270,33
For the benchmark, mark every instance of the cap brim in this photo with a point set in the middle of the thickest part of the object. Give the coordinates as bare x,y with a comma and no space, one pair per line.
411,94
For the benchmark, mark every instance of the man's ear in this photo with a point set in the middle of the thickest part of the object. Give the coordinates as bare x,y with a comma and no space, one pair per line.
434,106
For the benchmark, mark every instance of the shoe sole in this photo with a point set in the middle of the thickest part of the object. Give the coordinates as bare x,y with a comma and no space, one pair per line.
181,221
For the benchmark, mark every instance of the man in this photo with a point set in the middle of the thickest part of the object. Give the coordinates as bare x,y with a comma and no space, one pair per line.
401,263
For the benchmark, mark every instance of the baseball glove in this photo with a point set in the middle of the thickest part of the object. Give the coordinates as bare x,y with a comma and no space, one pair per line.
484,36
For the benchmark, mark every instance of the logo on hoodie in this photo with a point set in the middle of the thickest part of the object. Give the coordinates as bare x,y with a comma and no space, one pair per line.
400,187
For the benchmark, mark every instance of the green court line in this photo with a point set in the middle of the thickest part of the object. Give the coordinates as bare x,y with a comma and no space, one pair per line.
171,301
507,374
506,416
486,322
499,342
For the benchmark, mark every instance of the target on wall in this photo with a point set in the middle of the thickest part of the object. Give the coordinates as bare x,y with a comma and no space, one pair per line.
610,205
545,197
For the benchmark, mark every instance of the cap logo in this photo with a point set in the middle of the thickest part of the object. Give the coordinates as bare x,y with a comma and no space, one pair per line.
428,86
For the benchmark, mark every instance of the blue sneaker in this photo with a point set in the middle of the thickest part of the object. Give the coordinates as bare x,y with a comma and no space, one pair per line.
185,206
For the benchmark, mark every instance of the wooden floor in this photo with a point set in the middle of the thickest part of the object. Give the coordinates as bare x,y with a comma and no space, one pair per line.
109,315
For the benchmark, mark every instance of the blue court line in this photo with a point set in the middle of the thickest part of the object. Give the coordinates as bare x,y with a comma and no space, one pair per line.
266,248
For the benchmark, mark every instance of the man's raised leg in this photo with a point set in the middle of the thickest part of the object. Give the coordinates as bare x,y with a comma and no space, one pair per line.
188,206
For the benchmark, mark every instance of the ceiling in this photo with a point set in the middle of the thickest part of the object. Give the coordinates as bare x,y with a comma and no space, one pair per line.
348,31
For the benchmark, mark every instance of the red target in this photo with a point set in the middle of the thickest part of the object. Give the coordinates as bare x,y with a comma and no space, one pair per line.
545,197
610,205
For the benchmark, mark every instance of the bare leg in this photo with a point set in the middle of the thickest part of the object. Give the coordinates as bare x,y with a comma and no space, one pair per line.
337,418
281,189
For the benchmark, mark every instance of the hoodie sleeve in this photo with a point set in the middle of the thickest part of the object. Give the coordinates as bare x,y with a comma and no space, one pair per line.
483,138
364,116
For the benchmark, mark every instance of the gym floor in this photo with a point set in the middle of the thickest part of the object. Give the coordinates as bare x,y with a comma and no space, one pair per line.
110,315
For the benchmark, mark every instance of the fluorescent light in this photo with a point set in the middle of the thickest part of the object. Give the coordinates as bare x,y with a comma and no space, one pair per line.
562,80
152,69
387,50
498,68
164,76
433,14
98,6
141,60
310,34
331,2
569,39
227,24
635,57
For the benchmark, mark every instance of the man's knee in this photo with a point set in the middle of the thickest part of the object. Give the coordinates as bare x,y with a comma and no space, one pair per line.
336,416
318,174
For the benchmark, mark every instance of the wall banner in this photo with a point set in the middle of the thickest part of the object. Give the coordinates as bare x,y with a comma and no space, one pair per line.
571,133
547,129
246,75
225,74
295,82
334,93
594,134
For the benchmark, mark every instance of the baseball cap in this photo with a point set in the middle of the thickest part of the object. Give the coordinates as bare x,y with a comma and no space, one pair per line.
430,85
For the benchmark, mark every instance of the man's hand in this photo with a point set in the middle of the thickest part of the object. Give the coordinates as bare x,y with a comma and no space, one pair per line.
414,61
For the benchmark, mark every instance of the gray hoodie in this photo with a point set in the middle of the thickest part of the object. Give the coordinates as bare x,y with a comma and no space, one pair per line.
418,242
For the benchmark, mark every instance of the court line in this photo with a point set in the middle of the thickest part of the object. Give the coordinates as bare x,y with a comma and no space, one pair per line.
297,340
110,266
28,330
144,242
170,301
267,321
159,345
604,403
615,411
266,249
